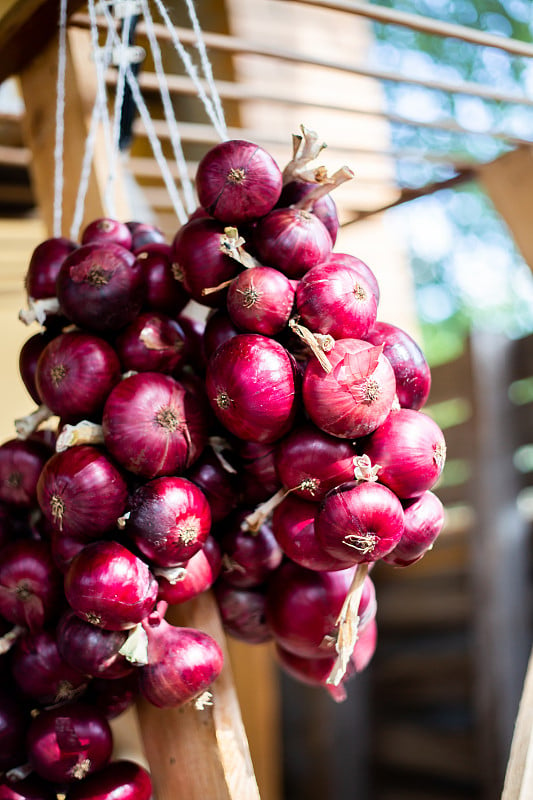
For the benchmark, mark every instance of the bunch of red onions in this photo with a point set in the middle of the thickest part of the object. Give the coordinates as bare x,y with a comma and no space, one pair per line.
223,412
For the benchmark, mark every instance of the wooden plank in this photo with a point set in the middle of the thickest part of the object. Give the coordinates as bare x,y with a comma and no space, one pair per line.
518,783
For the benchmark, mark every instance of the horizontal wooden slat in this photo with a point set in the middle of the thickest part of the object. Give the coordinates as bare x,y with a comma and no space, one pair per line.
437,604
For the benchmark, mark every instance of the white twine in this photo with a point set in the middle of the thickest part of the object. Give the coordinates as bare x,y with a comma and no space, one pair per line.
60,120
117,110
175,138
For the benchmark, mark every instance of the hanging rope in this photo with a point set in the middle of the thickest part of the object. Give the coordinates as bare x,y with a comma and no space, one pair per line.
117,110
60,120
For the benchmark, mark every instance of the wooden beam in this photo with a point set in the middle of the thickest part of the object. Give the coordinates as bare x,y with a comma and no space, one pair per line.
519,774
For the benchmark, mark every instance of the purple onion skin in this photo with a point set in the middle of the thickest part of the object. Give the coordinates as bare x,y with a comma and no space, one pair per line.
248,559
424,518
292,241
144,233
81,492
91,650
105,231
238,181
30,788
218,485
153,342
251,386
30,584
413,376
44,266
199,574
14,721
67,743
258,472
112,696
359,267
218,329
108,586
163,292
28,358
21,463
170,428
118,780
75,373
101,287
313,671
324,208
260,300
243,612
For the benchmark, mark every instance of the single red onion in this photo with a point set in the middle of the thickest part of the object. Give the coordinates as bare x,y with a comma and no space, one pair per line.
248,558
310,462
193,327
28,358
218,329
144,233
163,292
250,383
119,780
196,575
113,695
356,396
30,788
424,518
243,612
14,721
169,520
30,584
81,492
101,287
21,463
260,300
238,181
333,299
291,240
153,426
325,208
44,266
413,376
258,474
105,230
89,649
153,342
359,267
411,450
108,586
67,743
42,673
313,671
220,486
75,373
359,521
64,547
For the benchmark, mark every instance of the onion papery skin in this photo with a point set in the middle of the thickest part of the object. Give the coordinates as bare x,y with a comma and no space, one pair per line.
201,261
169,520
303,606
248,558
45,263
163,292
153,342
310,462
218,485
28,357
251,387
21,463
113,695
292,241
218,329
118,780
294,529
42,673
182,664
413,376
356,396
108,586
260,300
324,208
314,671
75,373
152,426
237,181
92,650
243,612
333,299
67,743
198,575
424,519
411,451
359,521
359,267
14,721
30,584
106,230
101,287
30,788
81,492
258,473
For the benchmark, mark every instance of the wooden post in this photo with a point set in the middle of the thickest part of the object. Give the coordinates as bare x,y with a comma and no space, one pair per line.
519,775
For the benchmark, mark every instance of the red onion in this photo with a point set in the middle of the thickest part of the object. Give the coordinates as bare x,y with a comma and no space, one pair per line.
163,292
67,743
218,329
113,695
424,518
333,299
410,449
118,780
182,664
248,558
81,492
413,376
30,788
169,430
108,586
169,520
359,267
310,462
64,548
292,240
294,192
356,396
193,327
238,181
250,383
28,358
101,287
260,300
105,230
144,233
75,373
44,266
21,462
313,671
258,474
14,721
218,485
243,612
153,342
30,584
359,521
42,673
92,650
196,575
